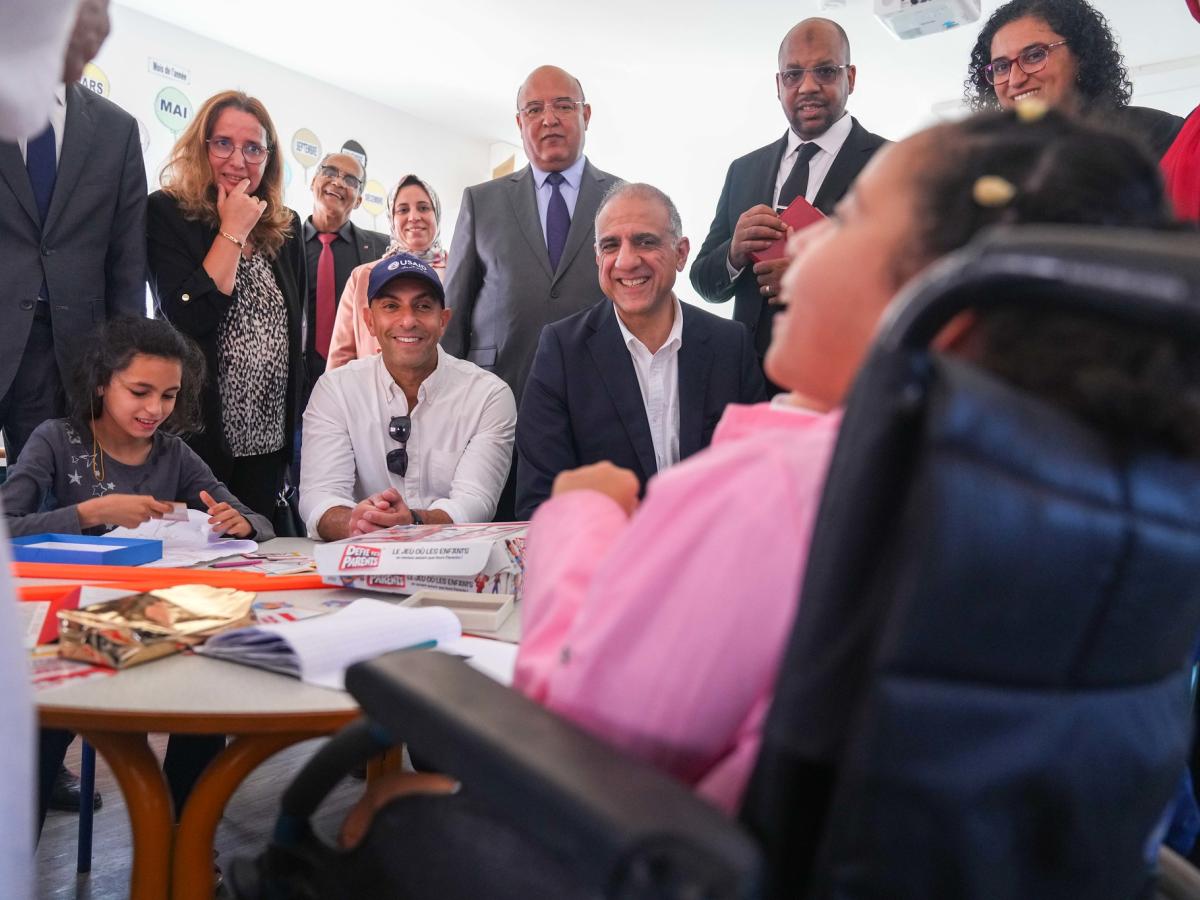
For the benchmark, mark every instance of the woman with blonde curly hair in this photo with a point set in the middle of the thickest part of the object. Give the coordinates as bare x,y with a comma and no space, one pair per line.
226,261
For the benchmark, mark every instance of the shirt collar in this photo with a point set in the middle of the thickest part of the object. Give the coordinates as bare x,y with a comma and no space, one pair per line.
310,231
674,338
390,389
831,141
573,174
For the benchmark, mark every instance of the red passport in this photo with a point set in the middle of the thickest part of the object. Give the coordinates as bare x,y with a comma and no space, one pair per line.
799,214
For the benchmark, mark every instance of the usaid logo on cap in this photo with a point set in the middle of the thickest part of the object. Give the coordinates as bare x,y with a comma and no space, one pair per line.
397,266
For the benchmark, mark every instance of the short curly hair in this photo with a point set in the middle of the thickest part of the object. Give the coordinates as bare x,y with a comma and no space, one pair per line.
1103,81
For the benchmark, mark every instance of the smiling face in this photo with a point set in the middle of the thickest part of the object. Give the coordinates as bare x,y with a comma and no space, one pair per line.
844,272
331,193
810,107
413,219
552,140
140,397
408,320
241,128
637,256
1053,85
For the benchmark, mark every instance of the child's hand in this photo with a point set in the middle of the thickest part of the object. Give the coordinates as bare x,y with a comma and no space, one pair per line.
612,481
224,518
128,510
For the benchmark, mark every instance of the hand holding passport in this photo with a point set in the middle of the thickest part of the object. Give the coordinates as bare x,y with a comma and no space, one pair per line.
798,215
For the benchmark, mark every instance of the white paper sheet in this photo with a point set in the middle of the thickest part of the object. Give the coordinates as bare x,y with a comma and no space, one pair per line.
495,659
185,543
82,548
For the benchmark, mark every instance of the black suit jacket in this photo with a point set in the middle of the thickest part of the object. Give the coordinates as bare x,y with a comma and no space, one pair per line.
188,296
750,181
92,250
582,403
368,247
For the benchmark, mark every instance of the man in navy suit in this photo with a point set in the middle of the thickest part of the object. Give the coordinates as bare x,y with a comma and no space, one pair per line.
818,158
639,378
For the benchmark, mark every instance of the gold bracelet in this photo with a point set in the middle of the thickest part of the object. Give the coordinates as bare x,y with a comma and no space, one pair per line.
228,236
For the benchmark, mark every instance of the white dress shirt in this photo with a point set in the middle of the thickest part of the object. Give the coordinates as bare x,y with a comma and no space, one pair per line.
32,42
658,379
818,167
569,188
458,453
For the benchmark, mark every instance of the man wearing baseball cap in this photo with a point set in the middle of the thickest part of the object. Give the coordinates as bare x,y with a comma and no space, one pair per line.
412,434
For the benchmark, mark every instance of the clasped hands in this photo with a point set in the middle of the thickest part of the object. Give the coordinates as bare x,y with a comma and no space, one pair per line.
382,510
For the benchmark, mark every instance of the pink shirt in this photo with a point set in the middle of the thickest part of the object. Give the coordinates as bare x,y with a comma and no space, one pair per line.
663,633
351,339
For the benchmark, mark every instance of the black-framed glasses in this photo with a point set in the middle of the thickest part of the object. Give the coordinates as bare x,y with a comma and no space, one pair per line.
334,173
791,78
222,148
1032,59
562,106
399,430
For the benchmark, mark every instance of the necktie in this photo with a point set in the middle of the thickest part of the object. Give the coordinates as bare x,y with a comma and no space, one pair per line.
326,301
558,220
42,167
797,180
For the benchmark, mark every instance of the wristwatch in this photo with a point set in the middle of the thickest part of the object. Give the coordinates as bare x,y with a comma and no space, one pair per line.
416,516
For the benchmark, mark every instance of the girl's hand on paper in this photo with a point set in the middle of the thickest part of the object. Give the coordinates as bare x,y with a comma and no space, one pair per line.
619,484
224,519
128,510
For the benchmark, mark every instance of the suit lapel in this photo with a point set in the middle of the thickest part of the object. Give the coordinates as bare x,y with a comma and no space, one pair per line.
361,246
525,214
76,147
13,171
695,365
846,166
611,357
591,192
766,186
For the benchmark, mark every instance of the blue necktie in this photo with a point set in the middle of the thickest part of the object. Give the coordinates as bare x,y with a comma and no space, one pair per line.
558,220
42,166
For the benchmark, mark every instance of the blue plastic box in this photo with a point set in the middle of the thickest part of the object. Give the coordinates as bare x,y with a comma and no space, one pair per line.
117,552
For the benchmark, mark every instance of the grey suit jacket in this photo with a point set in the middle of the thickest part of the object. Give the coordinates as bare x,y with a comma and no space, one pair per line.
92,251
750,181
499,282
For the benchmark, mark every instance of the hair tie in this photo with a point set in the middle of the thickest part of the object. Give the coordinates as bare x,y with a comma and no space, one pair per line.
1031,110
993,192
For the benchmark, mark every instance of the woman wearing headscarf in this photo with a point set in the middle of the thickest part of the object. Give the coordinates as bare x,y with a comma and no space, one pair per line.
416,229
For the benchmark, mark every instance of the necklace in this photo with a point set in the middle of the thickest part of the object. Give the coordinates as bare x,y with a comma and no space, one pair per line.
97,454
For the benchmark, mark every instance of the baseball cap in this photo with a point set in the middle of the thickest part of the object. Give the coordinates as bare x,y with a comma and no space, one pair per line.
403,265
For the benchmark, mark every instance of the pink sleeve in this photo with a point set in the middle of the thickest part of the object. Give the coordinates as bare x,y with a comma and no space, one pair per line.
343,344
568,537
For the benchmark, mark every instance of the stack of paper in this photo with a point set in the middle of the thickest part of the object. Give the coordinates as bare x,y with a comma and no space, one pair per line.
186,543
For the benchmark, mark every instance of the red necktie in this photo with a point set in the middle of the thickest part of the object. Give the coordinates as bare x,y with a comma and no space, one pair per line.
326,301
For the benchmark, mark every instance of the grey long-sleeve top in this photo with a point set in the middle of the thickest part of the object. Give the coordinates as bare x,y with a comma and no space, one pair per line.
55,474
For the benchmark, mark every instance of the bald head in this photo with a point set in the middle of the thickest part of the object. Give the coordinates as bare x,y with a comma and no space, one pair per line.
816,29
553,117
542,73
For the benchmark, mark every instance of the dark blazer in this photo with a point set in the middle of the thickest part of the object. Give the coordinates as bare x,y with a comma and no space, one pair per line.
176,248
92,251
750,181
368,247
499,282
582,402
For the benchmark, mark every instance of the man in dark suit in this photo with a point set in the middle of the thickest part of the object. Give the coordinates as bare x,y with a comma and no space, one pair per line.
820,156
337,189
521,255
638,379
72,249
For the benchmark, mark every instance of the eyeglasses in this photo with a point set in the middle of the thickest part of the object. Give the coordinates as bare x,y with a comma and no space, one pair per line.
399,430
1031,59
791,78
562,106
334,173
222,148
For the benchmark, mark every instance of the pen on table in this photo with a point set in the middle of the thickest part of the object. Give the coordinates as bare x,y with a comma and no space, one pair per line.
231,563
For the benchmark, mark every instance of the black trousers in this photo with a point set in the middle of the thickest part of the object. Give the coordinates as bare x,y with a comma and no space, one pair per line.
36,393
255,480
187,757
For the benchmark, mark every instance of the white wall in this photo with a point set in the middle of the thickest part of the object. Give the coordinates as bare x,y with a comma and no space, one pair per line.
395,143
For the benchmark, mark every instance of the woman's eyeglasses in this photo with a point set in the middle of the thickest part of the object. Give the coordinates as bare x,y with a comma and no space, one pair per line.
222,148
1032,59
399,430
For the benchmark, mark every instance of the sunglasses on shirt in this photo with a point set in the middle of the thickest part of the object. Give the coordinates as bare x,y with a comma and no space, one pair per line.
399,430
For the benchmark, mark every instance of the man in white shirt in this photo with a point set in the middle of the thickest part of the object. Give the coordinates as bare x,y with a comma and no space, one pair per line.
411,435
820,156
638,379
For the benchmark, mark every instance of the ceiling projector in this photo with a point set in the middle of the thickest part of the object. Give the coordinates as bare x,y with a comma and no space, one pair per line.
908,19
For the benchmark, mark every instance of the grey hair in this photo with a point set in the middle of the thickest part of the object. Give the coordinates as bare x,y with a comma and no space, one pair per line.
325,159
645,192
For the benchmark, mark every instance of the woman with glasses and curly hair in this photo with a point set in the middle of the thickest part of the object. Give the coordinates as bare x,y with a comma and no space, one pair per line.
226,261
1062,53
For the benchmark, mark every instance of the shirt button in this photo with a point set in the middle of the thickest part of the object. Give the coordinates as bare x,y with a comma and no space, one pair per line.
26,304
185,297
564,655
